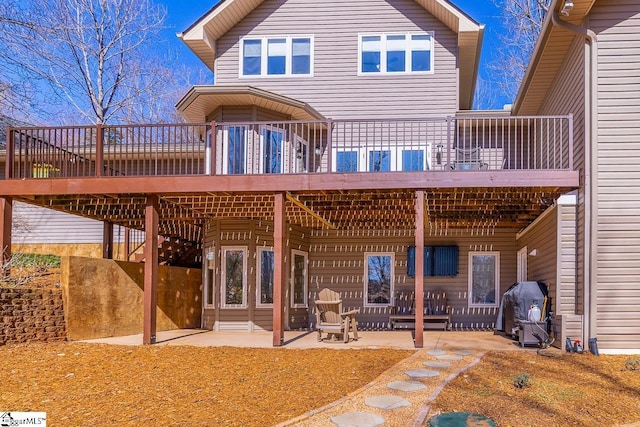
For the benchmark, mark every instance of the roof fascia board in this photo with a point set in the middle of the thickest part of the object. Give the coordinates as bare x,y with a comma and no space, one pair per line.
535,58
538,52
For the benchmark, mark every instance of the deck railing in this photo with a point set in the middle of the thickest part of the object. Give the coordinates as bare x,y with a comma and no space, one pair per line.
290,147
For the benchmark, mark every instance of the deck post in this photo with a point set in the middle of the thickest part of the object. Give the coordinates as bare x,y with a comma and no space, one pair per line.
99,150
107,240
150,270
419,277
279,276
10,155
212,149
6,216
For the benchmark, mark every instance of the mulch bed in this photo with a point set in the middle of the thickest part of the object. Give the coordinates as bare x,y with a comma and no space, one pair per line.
93,384
525,389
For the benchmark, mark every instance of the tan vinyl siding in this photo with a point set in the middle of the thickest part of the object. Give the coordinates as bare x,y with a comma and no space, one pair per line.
567,96
553,237
335,90
337,262
567,301
252,235
540,236
618,193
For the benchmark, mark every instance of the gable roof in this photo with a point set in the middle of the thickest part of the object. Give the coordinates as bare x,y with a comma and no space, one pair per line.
548,57
201,36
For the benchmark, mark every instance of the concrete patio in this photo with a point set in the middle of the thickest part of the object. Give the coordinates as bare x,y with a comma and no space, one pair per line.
479,341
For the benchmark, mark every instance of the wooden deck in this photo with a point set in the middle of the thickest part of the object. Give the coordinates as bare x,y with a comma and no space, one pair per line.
335,174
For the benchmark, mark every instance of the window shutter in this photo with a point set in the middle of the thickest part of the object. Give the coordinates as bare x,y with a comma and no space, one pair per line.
445,261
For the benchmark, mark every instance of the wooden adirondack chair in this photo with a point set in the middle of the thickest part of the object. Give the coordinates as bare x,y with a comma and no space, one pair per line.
331,319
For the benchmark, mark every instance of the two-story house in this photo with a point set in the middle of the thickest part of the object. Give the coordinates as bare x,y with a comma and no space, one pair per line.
336,150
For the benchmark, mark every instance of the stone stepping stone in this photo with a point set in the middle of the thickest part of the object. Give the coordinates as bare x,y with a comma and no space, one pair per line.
464,352
449,357
461,419
357,419
422,373
387,402
406,385
437,364
436,352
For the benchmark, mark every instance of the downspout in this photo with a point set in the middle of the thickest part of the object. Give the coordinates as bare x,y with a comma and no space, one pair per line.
590,175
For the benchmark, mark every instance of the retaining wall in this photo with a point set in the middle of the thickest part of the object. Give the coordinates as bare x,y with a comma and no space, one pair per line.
31,314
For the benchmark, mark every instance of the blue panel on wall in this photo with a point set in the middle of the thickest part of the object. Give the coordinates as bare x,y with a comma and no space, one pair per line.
438,261
445,261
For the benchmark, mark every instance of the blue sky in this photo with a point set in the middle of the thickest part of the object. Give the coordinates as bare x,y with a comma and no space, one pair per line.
182,13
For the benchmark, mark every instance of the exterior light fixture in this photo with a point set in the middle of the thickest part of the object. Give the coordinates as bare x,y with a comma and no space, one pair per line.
566,8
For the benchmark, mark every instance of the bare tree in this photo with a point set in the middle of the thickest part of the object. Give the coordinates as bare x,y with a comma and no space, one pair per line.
523,21
92,53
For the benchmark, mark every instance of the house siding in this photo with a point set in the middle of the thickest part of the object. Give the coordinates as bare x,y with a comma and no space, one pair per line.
252,235
336,90
337,261
567,96
618,175
555,259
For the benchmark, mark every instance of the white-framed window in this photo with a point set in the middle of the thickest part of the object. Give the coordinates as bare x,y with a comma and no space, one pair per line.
234,277
276,56
265,267
523,255
378,279
407,158
299,282
484,279
209,278
395,53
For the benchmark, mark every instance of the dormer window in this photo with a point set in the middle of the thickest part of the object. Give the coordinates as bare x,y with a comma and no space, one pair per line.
395,53
276,56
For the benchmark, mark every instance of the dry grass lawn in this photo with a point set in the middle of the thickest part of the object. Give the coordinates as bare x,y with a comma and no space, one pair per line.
571,390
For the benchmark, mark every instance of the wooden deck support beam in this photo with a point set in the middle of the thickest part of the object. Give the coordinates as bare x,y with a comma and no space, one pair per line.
279,276
6,217
419,277
150,270
107,240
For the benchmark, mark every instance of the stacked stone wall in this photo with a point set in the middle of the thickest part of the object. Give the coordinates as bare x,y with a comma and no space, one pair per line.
31,314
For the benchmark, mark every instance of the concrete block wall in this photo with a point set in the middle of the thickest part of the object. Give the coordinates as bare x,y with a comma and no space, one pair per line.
31,314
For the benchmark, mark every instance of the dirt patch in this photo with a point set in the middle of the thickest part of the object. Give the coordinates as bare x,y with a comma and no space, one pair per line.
93,384
525,389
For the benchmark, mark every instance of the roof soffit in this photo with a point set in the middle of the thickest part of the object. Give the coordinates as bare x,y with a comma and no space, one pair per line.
547,58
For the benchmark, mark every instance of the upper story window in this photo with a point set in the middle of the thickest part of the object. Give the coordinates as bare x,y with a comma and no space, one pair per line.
276,56
395,53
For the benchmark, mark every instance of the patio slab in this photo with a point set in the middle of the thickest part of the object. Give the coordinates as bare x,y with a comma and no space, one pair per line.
449,341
